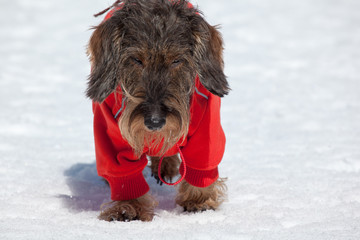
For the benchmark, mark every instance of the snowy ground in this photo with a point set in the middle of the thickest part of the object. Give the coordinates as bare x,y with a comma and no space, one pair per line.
292,124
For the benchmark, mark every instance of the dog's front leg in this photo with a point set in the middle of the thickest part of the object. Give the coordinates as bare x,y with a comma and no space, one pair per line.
196,199
141,208
169,168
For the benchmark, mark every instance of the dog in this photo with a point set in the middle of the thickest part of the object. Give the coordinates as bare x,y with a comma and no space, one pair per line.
156,84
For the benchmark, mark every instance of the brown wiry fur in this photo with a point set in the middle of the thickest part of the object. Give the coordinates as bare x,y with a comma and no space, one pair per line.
169,167
154,61
195,199
141,208
151,51
138,136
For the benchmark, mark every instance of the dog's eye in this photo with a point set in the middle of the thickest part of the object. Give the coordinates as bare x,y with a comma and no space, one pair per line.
138,61
176,62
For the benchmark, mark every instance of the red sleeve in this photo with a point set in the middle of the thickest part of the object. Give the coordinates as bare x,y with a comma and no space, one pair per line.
206,144
115,160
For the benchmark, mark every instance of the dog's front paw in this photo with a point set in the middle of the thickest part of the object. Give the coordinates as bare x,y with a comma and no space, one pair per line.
169,168
141,208
195,199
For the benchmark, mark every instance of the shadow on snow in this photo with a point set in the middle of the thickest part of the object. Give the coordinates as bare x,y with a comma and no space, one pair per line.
89,191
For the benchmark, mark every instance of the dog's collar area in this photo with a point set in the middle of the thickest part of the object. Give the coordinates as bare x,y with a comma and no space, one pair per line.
201,94
121,108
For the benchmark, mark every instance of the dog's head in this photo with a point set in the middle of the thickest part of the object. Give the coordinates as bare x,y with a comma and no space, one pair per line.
153,50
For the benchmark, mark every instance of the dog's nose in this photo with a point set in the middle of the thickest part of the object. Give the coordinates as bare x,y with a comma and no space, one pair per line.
154,122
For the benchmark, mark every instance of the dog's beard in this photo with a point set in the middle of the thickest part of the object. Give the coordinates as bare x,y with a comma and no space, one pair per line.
133,130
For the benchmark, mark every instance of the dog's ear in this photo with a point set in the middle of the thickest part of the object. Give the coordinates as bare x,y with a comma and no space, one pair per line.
208,56
104,57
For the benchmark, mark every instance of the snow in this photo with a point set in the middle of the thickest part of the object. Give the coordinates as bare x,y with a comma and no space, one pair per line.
292,123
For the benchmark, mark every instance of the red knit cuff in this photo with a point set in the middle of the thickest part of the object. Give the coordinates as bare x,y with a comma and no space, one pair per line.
200,178
128,187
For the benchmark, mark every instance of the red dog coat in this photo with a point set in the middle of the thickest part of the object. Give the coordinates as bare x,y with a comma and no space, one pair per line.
202,149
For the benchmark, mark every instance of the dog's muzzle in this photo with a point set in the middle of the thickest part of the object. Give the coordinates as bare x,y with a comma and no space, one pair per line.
154,122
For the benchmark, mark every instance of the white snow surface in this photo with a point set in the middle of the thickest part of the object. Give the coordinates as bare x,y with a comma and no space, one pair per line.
292,122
